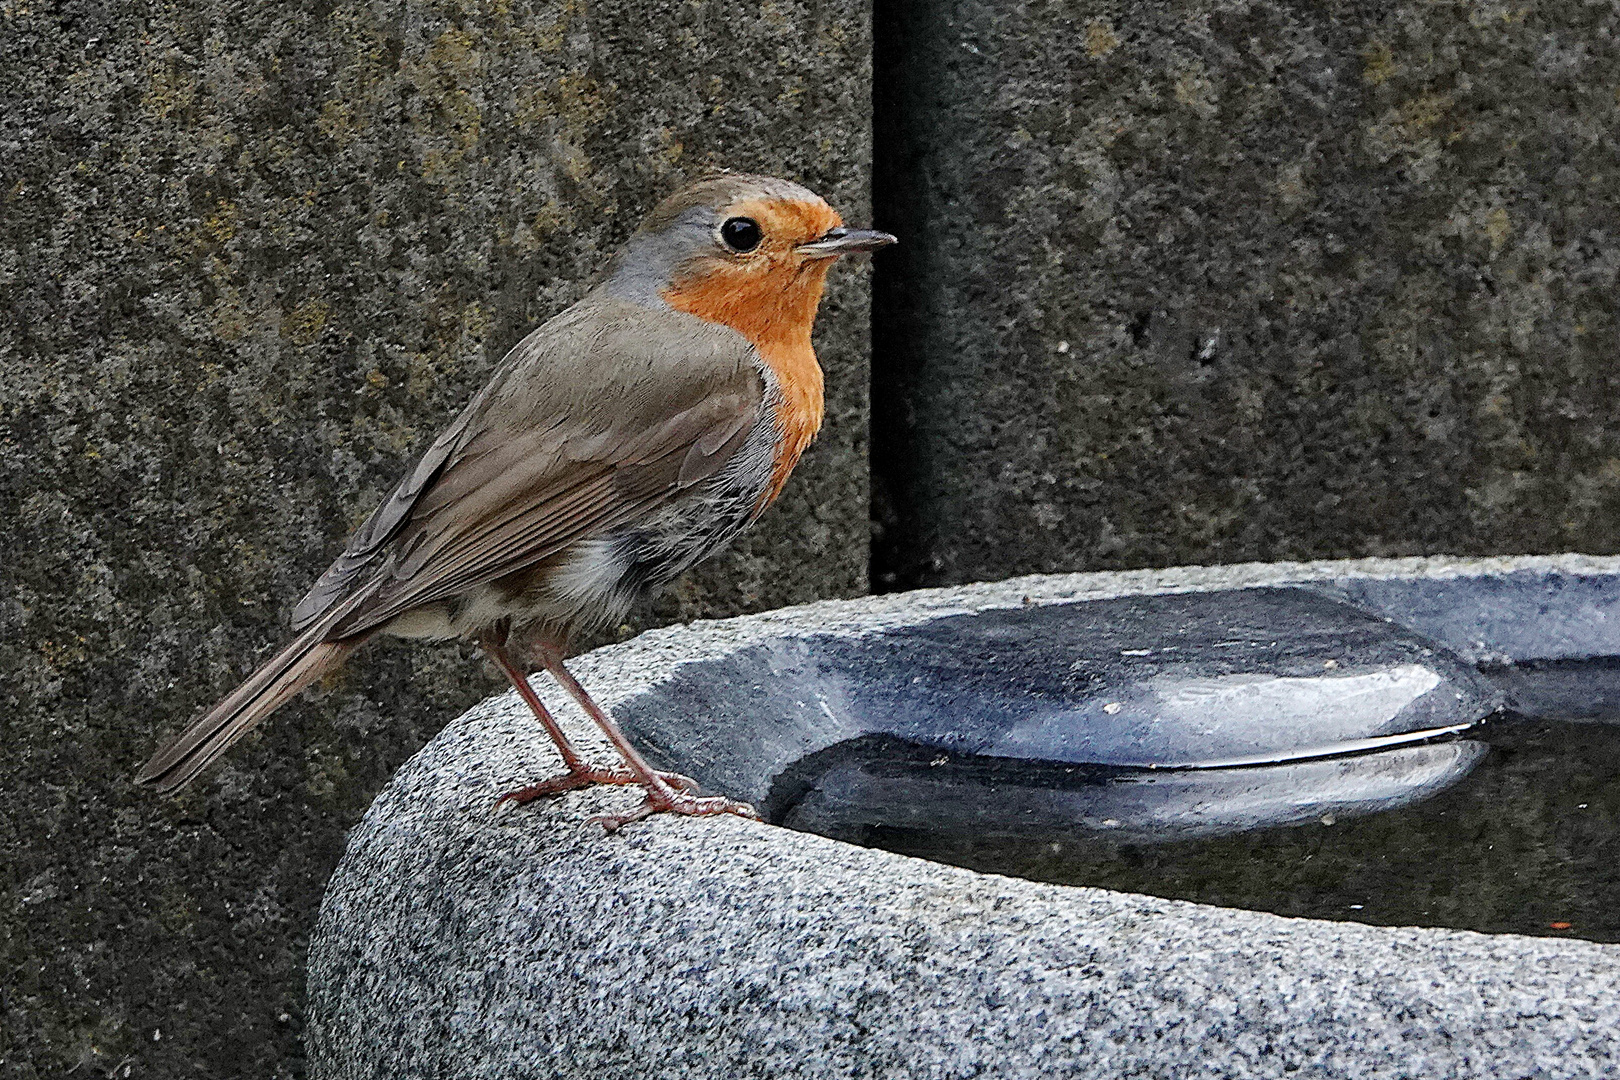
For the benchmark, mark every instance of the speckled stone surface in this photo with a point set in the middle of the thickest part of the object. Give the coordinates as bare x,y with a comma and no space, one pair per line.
456,940
1209,282
252,256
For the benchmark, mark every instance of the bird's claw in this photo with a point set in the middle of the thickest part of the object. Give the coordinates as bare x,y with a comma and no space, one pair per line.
585,776
678,802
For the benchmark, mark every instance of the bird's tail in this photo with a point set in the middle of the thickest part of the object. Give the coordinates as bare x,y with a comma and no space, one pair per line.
265,691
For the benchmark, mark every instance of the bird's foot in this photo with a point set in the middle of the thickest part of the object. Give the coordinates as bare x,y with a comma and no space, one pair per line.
585,776
675,802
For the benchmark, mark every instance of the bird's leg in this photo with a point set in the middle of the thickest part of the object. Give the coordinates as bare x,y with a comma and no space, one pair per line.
661,797
580,774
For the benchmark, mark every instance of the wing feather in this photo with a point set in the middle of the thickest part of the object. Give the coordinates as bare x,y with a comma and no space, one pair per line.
591,423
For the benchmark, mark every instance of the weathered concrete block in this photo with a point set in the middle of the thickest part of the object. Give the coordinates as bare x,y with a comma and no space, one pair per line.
251,257
1211,282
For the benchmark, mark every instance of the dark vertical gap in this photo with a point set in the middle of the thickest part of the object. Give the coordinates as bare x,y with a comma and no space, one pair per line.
897,352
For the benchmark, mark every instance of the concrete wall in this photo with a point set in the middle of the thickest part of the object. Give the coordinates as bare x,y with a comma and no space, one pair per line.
252,256
1191,282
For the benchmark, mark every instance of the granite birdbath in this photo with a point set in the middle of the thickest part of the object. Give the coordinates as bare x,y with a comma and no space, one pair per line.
1350,741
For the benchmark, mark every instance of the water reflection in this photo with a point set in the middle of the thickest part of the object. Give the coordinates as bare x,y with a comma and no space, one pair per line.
848,790
1562,689
1528,843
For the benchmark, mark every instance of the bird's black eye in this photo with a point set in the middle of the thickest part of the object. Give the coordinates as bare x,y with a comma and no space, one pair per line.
741,234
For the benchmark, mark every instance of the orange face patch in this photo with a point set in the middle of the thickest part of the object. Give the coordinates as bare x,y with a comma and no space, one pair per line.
770,296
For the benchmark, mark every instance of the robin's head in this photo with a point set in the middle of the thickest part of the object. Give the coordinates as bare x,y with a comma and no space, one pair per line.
751,252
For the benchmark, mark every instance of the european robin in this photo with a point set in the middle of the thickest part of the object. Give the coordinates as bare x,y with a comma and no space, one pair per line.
628,438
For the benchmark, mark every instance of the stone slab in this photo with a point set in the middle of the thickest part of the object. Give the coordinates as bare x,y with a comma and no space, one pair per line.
1547,639
252,257
1532,616
1211,282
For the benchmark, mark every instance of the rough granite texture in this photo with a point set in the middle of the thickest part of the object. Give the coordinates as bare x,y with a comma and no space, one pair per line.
1209,282
456,940
252,257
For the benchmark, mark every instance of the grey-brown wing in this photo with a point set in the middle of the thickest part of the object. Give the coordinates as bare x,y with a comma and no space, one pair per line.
367,544
593,421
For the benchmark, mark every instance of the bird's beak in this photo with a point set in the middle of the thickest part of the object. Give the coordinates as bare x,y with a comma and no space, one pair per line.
842,241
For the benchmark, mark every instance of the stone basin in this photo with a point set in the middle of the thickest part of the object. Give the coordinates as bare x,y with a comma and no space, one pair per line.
457,941
1187,714
1550,640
